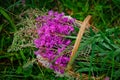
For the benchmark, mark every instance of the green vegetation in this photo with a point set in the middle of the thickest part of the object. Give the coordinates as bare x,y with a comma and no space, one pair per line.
98,54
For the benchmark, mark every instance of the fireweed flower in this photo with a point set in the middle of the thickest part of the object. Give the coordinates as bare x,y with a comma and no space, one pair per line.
50,41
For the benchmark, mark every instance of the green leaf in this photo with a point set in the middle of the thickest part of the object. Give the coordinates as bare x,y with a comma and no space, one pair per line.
76,29
116,74
19,70
2,42
8,18
106,46
27,68
22,55
71,37
1,27
98,7
88,69
117,52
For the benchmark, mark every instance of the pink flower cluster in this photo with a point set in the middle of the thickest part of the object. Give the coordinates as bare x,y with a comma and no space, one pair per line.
50,42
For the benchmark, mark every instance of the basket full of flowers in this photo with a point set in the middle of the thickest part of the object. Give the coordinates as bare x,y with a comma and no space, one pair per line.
56,37
56,49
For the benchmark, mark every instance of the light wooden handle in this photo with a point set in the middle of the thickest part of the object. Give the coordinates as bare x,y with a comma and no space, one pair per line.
78,40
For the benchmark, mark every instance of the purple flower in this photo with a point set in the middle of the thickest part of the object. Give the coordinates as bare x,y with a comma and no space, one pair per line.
37,43
107,78
50,13
50,43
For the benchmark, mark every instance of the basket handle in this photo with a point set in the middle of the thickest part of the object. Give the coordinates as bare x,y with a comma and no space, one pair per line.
78,40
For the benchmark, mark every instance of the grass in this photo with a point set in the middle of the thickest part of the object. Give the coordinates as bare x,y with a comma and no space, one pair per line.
8,18
98,55
101,59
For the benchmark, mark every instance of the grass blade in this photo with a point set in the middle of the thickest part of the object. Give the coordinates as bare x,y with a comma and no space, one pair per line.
8,18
